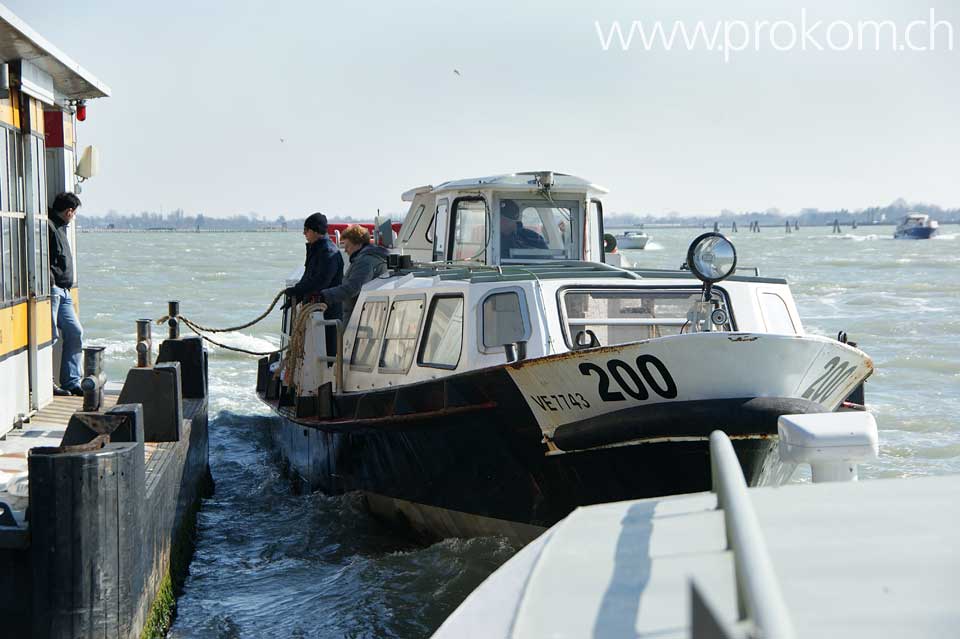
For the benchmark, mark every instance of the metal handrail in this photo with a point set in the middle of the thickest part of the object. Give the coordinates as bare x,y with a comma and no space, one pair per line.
759,598
336,360
627,321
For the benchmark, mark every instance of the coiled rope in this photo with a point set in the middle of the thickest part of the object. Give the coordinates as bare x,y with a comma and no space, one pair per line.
293,360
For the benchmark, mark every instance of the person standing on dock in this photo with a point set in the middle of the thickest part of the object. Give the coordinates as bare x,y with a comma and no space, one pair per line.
367,262
322,269
66,325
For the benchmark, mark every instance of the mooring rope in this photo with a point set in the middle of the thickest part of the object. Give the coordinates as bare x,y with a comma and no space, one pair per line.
199,330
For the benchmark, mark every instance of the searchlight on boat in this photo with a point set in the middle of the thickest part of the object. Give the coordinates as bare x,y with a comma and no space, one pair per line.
712,258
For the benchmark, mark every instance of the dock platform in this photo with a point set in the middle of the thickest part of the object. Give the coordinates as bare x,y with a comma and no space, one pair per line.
99,507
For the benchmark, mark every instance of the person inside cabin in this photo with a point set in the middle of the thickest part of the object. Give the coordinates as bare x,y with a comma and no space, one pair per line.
66,325
367,262
513,235
322,269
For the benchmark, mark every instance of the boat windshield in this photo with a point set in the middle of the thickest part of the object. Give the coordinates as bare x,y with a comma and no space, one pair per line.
605,317
538,229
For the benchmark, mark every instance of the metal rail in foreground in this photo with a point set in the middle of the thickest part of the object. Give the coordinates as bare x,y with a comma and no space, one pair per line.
758,592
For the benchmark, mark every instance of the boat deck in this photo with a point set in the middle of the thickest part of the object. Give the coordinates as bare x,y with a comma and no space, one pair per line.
46,428
865,559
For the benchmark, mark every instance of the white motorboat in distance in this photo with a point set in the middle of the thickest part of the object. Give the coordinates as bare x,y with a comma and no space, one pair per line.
916,226
632,240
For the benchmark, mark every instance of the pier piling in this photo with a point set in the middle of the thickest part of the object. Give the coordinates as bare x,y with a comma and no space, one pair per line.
144,343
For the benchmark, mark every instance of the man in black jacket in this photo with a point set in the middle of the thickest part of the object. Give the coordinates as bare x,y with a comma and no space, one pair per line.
322,269
66,325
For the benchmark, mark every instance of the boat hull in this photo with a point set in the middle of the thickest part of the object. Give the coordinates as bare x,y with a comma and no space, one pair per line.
515,448
632,242
476,477
916,233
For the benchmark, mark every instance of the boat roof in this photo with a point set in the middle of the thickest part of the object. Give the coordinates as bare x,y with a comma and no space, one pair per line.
566,270
521,181
18,41
864,559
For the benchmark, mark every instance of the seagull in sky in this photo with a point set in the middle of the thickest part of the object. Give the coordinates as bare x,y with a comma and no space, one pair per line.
456,71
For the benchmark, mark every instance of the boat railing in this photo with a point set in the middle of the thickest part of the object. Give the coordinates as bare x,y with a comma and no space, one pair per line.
759,598
627,321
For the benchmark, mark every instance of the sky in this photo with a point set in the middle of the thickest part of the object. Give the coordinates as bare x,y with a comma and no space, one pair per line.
284,108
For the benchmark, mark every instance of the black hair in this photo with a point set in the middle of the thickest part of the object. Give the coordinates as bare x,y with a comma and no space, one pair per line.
316,223
64,201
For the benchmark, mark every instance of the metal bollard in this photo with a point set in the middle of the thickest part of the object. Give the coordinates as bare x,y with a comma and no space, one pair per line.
144,344
94,379
173,310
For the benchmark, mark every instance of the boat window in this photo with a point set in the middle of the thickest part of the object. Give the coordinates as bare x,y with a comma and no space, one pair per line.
538,229
443,336
503,321
409,228
605,317
593,235
369,330
469,234
776,315
436,231
400,341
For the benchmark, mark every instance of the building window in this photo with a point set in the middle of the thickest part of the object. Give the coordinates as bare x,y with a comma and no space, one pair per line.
400,341
503,319
369,331
443,335
469,236
14,197
19,258
4,173
6,259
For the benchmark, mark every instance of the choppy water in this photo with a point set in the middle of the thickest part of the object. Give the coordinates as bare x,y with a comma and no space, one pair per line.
271,562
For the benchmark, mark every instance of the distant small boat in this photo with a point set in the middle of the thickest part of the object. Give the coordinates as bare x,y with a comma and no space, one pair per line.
632,240
916,226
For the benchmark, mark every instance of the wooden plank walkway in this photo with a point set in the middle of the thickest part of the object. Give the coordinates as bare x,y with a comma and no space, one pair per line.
46,428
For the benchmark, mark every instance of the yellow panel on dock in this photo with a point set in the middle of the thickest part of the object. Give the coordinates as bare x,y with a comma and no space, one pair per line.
13,329
75,296
9,109
36,116
44,322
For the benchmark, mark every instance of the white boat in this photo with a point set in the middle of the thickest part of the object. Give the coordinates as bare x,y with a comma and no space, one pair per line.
509,375
916,226
632,240
835,558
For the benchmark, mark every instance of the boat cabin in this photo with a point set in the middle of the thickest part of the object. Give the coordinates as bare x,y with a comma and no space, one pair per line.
532,217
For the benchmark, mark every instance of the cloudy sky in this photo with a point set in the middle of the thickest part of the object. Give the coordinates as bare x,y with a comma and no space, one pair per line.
283,107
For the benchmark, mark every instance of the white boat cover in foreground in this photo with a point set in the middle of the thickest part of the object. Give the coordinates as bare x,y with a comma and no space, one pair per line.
862,559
